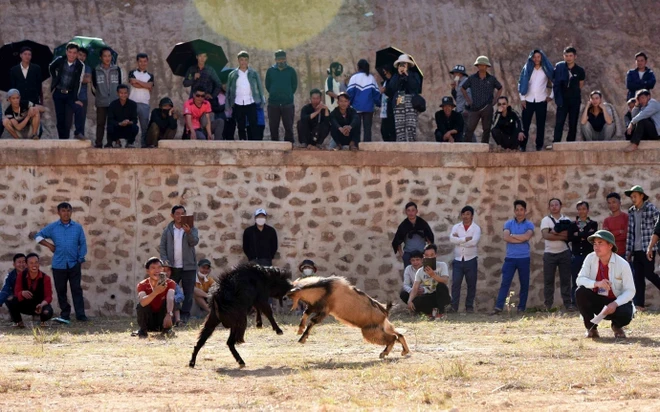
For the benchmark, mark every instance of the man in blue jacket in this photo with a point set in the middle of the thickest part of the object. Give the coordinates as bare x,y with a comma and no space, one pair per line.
567,85
641,77
10,280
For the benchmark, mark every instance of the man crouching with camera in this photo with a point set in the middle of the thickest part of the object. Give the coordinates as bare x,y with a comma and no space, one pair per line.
156,294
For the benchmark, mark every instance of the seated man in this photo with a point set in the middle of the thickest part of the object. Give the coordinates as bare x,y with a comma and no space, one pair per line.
197,113
7,291
627,118
434,284
22,117
416,259
178,293
307,268
33,294
597,119
162,123
155,310
203,283
345,124
122,119
314,123
605,281
507,128
448,122
645,122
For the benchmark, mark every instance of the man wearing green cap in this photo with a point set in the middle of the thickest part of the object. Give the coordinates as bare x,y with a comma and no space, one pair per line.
605,283
281,84
162,123
480,99
642,217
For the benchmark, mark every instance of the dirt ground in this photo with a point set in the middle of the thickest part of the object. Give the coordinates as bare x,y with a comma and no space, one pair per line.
536,362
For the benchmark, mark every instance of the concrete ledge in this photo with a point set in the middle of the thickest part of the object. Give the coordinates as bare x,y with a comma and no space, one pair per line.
44,144
424,147
225,145
617,145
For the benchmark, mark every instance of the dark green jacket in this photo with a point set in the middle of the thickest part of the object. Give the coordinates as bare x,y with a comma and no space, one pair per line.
281,85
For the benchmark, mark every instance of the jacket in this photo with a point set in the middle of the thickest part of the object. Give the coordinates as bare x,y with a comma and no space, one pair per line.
55,68
410,84
444,124
509,125
167,122
190,240
208,79
260,244
118,113
406,230
337,120
363,92
528,69
255,86
105,86
580,245
8,286
281,85
30,86
619,273
634,83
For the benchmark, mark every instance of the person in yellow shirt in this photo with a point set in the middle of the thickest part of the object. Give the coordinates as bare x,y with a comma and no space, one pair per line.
203,283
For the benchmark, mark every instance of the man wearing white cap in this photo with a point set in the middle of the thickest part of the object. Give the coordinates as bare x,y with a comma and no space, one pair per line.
482,85
260,240
22,117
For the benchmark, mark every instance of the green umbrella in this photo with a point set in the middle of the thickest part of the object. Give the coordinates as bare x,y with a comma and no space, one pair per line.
93,46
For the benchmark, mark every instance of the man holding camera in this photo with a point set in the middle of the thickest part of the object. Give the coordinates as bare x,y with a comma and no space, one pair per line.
554,229
156,295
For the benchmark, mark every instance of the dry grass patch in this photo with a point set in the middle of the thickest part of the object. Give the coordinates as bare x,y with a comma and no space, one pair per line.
536,362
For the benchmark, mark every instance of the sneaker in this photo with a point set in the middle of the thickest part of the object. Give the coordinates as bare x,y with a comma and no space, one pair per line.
439,316
82,318
19,325
452,310
469,310
79,136
116,145
130,146
495,312
571,308
142,334
548,147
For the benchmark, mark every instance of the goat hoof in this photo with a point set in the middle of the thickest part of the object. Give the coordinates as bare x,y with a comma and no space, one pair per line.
241,365
279,332
300,332
382,355
405,352
191,364
302,340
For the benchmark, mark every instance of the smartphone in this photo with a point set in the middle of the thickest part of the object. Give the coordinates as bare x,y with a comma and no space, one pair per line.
162,278
430,262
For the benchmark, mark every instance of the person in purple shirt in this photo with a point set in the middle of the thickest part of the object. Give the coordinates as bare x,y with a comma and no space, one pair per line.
69,248
517,233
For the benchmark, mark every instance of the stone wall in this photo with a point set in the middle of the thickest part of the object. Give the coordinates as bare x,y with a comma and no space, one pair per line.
337,208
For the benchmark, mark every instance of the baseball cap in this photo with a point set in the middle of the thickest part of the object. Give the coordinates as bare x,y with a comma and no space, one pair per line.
260,212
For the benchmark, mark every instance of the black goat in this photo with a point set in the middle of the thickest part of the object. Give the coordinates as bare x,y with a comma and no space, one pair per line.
234,294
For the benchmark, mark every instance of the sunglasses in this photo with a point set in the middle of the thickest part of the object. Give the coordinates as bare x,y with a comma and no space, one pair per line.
501,104
200,95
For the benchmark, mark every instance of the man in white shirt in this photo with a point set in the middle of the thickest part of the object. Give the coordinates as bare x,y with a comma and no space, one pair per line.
434,285
535,95
554,229
142,82
416,259
465,237
605,283
244,96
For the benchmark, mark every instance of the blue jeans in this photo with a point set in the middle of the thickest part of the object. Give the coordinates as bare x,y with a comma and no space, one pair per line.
467,269
576,266
406,259
509,268
143,113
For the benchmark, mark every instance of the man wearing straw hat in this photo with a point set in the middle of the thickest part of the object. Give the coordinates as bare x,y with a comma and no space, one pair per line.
605,284
642,216
480,100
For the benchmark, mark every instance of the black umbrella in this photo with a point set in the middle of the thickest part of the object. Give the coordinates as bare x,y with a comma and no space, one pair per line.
387,57
224,74
183,56
10,57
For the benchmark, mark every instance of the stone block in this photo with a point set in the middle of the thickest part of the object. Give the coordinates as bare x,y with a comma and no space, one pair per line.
424,147
44,144
225,145
614,145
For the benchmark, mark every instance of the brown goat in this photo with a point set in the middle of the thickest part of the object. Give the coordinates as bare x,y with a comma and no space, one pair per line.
335,296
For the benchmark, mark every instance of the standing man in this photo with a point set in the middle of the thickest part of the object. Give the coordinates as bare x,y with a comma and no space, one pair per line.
244,95
334,85
67,75
9,284
84,88
33,294
641,77
507,128
177,245
517,233
645,123
460,77
314,123
412,234
642,217
202,76
605,281
533,85
482,85
26,78
281,84
556,255
69,248
578,234
567,85
617,222
448,122
142,83
156,301
106,77
260,240
122,119
465,238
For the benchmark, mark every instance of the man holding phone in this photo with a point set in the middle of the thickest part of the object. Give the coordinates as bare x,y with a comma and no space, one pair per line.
432,279
156,295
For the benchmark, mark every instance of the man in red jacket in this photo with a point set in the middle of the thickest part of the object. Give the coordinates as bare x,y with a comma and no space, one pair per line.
33,294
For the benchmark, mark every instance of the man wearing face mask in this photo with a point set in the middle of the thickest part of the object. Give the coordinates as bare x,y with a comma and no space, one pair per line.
162,123
281,84
307,268
260,240
460,77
